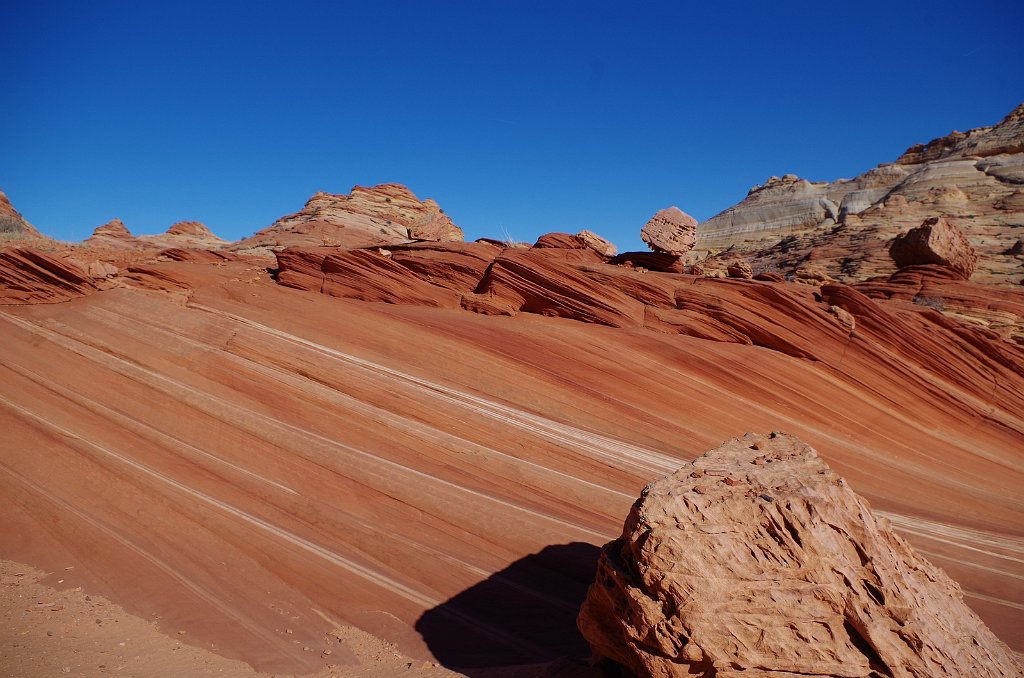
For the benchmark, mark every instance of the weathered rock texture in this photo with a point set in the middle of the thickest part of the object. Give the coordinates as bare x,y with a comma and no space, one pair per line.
936,241
355,461
671,231
31,277
758,560
112,233
387,214
11,221
844,226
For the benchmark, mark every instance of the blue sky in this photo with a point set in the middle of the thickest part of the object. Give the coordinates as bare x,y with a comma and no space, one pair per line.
517,117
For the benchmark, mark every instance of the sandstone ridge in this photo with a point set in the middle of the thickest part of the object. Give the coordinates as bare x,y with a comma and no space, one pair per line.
758,560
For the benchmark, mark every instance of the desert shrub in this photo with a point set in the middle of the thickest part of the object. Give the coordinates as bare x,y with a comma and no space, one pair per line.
930,302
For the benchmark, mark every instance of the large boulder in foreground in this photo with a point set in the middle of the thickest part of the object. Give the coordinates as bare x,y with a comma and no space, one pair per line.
935,241
671,231
758,560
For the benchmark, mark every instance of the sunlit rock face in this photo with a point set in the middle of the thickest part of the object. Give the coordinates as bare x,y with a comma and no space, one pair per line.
758,560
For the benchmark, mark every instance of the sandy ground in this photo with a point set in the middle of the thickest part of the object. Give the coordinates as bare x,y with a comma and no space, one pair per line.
50,631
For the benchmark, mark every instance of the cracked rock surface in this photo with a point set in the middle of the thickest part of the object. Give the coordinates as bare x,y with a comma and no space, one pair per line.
758,560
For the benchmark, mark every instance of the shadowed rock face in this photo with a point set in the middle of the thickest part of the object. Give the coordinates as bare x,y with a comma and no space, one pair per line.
758,560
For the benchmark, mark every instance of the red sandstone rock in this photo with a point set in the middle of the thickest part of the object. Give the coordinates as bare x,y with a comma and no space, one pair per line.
740,269
366,275
671,231
560,241
31,277
456,265
197,255
935,241
532,281
782,572
112,232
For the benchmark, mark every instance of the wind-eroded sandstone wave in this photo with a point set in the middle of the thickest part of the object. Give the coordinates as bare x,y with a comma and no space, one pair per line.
244,458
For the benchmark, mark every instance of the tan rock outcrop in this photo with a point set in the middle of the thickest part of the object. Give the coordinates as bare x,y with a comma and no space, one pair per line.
935,241
671,231
600,245
190,228
387,214
758,560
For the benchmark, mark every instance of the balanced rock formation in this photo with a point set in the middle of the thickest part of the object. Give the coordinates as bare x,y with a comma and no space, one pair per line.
387,214
758,560
671,231
31,277
936,241
974,177
11,221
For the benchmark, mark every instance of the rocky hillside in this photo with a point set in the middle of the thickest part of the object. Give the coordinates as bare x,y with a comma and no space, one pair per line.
11,221
430,441
758,560
975,179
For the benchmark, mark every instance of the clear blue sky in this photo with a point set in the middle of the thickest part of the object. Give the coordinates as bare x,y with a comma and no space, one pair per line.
515,116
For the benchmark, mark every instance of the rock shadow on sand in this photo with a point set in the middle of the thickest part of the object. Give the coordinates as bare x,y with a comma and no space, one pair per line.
522,615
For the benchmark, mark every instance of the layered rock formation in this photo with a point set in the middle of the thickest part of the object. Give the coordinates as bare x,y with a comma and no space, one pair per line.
112,234
560,276
11,221
758,560
387,214
28,276
353,462
188,235
975,178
